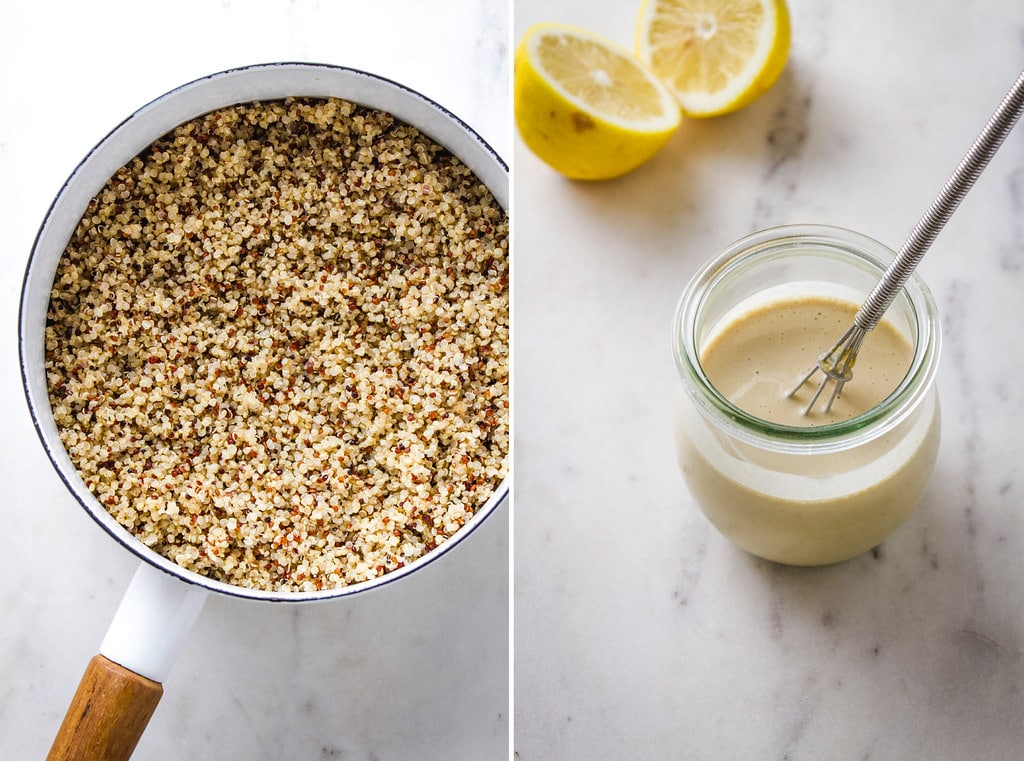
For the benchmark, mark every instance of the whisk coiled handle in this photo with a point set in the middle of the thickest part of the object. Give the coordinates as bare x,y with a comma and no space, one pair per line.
942,208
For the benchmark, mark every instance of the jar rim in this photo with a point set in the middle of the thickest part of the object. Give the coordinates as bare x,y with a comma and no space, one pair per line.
772,244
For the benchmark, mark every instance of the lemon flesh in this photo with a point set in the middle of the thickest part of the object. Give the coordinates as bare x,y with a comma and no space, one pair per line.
715,55
586,106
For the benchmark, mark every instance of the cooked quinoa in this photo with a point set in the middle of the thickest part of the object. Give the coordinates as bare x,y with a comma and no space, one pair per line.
277,346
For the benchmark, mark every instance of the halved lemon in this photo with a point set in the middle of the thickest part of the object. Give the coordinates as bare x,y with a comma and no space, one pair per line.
715,55
587,106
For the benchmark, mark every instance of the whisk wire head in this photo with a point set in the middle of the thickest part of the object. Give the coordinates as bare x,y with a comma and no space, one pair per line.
836,365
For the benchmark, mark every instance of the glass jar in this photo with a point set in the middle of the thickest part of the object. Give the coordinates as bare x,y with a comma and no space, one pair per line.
804,495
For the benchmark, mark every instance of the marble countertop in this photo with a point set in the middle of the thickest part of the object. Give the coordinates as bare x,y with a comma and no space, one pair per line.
640,632
414,670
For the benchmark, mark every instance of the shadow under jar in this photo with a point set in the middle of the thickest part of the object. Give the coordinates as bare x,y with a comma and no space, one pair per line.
822,493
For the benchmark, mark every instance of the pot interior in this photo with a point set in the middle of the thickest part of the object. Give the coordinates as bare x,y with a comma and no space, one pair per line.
133,135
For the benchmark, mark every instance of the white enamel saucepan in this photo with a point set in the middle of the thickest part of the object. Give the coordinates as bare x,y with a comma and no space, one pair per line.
122,684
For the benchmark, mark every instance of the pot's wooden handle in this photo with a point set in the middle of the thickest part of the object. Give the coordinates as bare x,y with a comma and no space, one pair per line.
108,714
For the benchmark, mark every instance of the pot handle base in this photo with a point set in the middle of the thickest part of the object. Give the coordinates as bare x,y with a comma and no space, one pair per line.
152,621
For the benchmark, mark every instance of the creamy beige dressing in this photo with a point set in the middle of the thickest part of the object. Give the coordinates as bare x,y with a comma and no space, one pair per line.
804,508
756,359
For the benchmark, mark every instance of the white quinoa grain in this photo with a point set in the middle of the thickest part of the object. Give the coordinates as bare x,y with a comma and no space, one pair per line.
277,346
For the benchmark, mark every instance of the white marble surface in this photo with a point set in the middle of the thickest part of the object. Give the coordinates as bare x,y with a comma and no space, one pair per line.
640,633
414,670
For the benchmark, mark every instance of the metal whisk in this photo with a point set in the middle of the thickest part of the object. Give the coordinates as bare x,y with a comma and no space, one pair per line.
836,364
